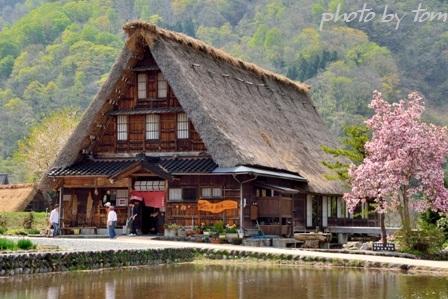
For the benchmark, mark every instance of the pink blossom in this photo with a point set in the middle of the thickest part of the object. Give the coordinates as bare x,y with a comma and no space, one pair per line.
404,159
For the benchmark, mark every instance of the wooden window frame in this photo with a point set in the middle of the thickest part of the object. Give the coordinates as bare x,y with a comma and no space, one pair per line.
142,81
182,126
183,195
162,86
215,192
122,128
152,127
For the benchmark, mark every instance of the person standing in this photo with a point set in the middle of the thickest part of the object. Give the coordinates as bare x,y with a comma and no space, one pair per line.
111,222
54,219
132,215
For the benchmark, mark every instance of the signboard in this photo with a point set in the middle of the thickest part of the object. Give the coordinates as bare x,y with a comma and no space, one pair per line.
380,246
205,205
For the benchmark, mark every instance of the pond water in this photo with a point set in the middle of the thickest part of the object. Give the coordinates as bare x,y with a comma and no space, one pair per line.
225,281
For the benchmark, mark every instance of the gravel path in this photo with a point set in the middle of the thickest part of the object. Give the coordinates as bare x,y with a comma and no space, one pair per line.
96,243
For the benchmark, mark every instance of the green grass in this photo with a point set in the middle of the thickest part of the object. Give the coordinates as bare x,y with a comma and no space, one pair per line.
14,222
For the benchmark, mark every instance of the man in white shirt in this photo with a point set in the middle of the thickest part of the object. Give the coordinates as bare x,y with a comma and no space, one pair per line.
111,222
54,219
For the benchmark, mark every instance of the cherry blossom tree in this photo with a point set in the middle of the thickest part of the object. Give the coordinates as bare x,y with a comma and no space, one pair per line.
404,161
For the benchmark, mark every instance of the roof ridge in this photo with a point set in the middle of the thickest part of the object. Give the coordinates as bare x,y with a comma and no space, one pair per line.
144,28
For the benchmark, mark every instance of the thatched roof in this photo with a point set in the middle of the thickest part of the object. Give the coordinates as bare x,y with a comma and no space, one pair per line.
16,197
244,114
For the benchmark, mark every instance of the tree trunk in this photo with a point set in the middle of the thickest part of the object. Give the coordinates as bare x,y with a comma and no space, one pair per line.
383,228
405,217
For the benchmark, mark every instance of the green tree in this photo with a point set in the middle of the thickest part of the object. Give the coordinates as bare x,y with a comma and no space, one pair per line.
38,150
354,141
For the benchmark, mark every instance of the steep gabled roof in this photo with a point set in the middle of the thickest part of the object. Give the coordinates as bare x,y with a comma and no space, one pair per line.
244,114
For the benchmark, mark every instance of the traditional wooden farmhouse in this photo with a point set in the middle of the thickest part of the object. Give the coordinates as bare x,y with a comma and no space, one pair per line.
197,136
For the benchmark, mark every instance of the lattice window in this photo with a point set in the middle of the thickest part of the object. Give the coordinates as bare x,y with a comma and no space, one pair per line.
182,126
152,126
175,194
162,86
182,194
211,192
122,127
142,80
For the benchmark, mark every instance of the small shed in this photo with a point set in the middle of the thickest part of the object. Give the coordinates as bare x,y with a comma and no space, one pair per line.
3,179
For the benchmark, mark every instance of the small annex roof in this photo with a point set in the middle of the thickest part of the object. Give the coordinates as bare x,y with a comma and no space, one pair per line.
16,197
258,172
278,188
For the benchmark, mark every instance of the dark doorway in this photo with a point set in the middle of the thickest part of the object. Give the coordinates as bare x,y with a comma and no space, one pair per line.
149,225
317,211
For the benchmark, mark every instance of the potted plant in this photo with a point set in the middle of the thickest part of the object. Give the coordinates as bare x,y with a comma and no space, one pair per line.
172,229
231,233
181,232
196,230
166,231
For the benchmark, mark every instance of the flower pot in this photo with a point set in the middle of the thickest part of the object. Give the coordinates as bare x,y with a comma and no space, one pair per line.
166,232
172,233
231,236
181,233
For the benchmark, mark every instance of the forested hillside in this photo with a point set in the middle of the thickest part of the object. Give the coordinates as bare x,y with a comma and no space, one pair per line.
55,54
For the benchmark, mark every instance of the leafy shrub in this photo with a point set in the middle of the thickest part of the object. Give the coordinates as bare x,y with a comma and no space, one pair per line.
442,224
237,241
18,232
427,240
6,244
28,221
33,231
2,230
25,244
3,222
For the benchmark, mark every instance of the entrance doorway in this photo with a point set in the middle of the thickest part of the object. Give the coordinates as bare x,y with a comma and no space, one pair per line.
149,222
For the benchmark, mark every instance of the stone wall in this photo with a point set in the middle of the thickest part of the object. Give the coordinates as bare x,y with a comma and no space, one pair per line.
45,262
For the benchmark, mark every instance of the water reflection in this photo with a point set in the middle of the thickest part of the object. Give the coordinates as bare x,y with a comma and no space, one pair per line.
225,281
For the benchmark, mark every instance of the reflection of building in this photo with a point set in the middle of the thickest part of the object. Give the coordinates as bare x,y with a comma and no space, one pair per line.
178,121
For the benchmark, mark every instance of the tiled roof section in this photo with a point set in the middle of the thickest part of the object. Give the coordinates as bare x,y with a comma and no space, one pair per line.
109,168
98,168
146,111
188,165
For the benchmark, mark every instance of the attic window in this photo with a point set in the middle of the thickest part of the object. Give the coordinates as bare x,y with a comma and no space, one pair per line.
162,86
142,79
